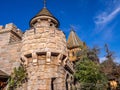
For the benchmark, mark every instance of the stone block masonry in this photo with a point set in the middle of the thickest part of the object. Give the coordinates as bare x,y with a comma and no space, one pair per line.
9,51
43,51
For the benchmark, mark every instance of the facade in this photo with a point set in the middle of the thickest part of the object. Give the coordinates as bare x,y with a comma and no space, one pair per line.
42,49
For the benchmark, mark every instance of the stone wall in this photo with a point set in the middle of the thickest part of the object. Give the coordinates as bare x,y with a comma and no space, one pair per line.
44,40
9,51
44,51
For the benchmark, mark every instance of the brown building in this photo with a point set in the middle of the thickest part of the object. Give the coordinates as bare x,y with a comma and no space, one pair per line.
44,50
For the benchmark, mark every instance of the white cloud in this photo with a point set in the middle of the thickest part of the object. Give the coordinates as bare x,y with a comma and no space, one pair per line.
102,19
102,59
117,59
105,18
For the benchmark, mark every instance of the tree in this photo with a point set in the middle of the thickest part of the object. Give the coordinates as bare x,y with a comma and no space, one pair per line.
91,54
110,68
87,72
18,77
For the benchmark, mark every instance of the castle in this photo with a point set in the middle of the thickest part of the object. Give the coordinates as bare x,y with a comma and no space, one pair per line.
43,48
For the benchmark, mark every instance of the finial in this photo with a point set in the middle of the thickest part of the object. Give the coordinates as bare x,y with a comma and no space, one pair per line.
44,3
72,28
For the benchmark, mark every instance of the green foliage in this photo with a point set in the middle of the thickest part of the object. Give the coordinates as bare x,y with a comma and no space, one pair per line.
89,53
88,73
18,77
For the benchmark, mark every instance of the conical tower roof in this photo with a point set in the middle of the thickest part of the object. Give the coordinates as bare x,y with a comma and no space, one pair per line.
73,40
44,12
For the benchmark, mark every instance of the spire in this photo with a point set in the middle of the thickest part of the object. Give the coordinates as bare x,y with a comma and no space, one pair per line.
44,13
72,28
44,3
73,40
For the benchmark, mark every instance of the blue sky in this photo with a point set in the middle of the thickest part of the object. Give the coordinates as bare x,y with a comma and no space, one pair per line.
95,21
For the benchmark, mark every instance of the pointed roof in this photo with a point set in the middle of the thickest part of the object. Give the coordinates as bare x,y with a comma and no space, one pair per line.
73,40
45,12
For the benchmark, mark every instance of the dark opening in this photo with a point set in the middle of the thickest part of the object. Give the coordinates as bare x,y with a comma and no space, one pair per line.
66,85
54,54
67,82
28,55
51,24
63,57
41,53
3,83
52,83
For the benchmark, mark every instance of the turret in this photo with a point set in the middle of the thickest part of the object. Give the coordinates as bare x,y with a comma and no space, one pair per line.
44,18
74,45
44,52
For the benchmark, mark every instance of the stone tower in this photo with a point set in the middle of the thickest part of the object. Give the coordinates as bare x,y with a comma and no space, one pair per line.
10,46
44,52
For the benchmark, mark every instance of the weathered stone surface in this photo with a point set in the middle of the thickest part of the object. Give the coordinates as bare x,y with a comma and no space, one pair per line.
44,52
